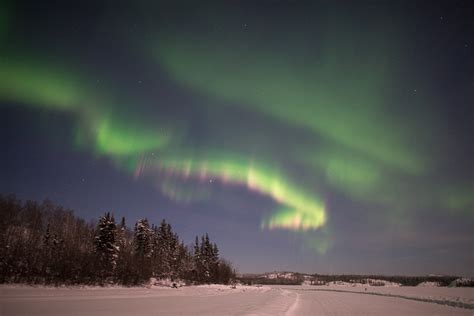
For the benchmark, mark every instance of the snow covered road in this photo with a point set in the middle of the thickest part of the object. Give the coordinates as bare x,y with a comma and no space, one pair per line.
216,300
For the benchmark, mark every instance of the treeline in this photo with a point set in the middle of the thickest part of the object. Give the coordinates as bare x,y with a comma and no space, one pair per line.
403,280
44,243
372,280
267,281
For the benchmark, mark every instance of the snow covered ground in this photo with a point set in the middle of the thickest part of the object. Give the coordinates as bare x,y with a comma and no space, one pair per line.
453,296
222,300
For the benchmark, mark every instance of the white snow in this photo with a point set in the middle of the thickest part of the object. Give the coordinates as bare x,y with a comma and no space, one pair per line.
459,294
427,283
223,300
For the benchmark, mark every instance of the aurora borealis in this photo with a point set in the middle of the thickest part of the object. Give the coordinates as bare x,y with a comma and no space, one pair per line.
328,137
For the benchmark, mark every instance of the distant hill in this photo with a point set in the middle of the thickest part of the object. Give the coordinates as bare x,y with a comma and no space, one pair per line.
295,278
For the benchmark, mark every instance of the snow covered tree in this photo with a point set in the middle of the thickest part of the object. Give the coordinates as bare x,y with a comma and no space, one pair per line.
206,253
125,273
206,260
214,263
142,239
122,238
105,245
197,258
167,248
143,248
184,263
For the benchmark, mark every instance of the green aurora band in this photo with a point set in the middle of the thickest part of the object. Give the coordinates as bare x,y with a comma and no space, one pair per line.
342,102
125,139
300,211
47,87
339,93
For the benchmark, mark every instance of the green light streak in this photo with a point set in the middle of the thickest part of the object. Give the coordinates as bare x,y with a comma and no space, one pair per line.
39,85
295,220
347,171
114,137
302,212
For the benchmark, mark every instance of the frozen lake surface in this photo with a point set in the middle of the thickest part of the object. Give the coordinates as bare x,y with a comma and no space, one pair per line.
244,300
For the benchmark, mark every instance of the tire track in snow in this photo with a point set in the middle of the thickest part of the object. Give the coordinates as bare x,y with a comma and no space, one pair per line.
292,309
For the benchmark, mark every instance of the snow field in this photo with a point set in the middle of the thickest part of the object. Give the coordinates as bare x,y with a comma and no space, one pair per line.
223,300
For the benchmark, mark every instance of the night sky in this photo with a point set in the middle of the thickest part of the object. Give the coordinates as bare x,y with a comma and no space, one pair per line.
311,136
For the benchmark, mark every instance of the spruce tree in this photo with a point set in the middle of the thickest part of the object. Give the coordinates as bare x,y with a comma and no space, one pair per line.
206,258
124,270
168,250
214,263
143,249
105,245
197,258
142,239
155,255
